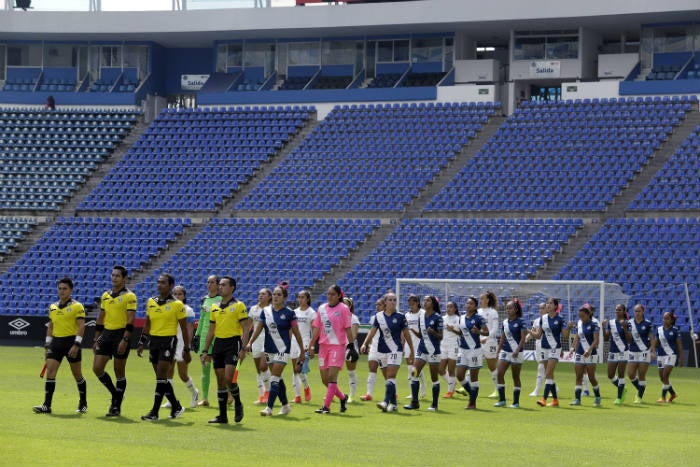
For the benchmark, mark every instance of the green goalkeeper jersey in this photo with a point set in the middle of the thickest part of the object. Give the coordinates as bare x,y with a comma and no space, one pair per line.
204,313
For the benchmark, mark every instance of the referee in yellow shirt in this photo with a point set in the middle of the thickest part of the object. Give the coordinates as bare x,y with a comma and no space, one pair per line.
63,338
163,315
228,322
113,329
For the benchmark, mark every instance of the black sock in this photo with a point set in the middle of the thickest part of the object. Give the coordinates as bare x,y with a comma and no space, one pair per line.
161,389
107,381
235,392
283,393
222,398
82,390
119,391
49,388
170,395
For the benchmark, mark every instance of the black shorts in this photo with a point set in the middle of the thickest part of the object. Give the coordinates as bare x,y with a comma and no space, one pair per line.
162,348
108,343
59,348
226,351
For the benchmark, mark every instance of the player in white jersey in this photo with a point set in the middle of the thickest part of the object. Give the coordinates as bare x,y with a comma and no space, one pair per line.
305,316
180,293
450,347
264,300
539,354
373,357
412,319
350,365
488,302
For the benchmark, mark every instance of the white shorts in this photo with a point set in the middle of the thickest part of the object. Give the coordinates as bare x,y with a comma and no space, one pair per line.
490,348
666,360
407,349
639,357
539,352
551,354
277,358
508,357
389,359
429,359
258,347
617,357
450,351
471,358
579,359
178,350
295,352
373,355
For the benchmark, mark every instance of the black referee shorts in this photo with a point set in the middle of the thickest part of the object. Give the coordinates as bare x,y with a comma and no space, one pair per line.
59,348
162,348
226,351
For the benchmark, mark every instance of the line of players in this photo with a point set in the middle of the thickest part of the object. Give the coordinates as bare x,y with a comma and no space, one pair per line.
453,346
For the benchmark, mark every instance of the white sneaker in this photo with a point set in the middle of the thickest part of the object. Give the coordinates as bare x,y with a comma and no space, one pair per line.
534,393
166,405
266,412
285,409
194,399
391,408
382,406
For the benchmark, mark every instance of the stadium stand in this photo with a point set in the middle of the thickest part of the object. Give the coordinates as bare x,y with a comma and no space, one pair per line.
84,249
177,163
369,157
676,187
456,248
262,252
545,154
648,258
13,230
47,155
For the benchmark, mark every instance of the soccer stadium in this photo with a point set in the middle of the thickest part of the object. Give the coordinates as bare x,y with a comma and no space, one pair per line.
444,148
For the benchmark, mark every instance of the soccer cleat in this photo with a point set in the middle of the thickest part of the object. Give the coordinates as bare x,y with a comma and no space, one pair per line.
366,397
461,390
575,402
307,394
408,397
297,400
500,404
514,406
414,405
261,401
392,408
238,409
671,399
285,409
82,407
266,412
534,393
637,400
618,402
542,402
470,407
351,400
265,396
448,395
382,406
432,408
166,405
149,417
218,419
177,411
624,393
41,409
203,403
194,398
113,411
493,395
343,404
596,401
554,403
661,401
323,410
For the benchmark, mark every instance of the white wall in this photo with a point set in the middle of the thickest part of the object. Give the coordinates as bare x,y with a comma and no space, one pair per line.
590,90
616,65
472,71
520,69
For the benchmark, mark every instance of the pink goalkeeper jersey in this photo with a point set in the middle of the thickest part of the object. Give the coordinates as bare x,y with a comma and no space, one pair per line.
332,323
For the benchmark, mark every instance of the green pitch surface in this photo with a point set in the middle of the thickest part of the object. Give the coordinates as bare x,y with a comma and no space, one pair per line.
648,435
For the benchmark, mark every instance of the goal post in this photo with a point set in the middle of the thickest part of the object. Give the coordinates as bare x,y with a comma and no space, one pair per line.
603,296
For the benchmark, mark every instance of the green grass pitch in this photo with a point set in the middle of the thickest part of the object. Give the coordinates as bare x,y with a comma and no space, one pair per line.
647,435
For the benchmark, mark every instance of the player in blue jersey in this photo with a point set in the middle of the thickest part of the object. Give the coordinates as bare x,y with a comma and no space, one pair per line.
585,349
430,330
551,330
510,346
614,332
390,325
668,347
472,326
638,334
279,324
373,356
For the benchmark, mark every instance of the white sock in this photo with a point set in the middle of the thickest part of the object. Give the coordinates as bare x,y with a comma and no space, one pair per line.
451,382
296,385
540,378
411,369
445,377
494,377
261,386
304,380
190,386
352,377
423,389
266,379
585,382
371,381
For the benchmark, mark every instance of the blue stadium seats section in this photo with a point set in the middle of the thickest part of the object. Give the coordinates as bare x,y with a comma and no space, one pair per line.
13,230
676,187
47,155
192,159
547,154
261,253
650,258
369,158
456,248
84,249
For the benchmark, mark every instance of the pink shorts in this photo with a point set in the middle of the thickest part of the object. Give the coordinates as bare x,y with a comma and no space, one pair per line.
331,355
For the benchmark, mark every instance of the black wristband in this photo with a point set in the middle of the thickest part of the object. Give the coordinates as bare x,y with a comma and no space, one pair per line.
125,339
145,339
186,349
129,327
99,327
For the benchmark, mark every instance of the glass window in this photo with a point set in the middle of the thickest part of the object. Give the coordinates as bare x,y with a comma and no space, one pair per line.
110,56
426,50
401,50
58,55
385,51
529,48
304,53
338,52
24,55
234,55
562,47
221,55
258,54
2,62
136,56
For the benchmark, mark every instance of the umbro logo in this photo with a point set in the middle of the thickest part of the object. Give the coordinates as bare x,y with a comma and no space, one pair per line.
18,324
